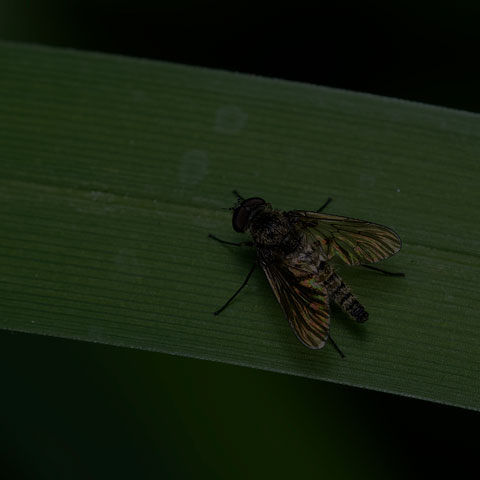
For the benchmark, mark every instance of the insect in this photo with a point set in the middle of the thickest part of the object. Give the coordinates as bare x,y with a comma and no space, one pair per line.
295,248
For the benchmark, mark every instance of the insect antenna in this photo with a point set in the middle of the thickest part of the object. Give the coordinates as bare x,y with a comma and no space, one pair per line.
336,347
238,195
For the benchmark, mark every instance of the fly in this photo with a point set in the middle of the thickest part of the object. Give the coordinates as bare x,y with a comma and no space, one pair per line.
295,248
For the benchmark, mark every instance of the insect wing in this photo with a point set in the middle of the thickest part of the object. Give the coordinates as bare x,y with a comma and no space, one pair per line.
356,242
304,303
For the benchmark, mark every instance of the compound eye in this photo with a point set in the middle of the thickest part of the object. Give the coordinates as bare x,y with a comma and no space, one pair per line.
240,219
253,202
242,214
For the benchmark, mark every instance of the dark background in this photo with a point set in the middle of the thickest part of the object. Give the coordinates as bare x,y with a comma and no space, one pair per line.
75,410
417,50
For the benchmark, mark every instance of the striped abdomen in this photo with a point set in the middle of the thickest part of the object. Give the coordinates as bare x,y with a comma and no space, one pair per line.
342,295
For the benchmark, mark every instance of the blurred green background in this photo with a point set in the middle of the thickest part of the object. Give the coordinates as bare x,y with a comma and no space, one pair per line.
77,410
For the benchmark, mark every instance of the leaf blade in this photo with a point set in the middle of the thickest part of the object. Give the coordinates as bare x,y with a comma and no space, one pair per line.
115,171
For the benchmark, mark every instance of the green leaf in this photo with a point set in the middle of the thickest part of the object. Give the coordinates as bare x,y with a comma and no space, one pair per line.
114,170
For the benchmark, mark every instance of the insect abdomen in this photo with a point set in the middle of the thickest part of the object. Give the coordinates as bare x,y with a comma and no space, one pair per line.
342,295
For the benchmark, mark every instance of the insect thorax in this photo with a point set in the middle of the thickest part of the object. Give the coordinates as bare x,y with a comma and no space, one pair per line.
272,228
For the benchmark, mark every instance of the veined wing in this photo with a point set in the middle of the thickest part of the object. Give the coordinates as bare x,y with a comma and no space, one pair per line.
304,302
356,242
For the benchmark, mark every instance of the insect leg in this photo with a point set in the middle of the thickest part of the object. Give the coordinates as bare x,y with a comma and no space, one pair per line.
324,205
392,274
241,244
336,347
237,292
